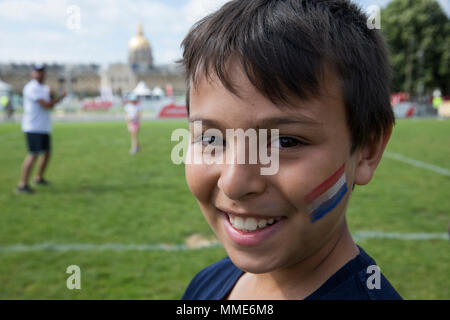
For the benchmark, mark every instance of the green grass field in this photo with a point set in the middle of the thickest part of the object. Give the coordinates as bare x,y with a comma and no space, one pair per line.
100,194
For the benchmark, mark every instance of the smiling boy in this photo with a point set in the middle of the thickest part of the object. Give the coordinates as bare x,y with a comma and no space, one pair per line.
314,71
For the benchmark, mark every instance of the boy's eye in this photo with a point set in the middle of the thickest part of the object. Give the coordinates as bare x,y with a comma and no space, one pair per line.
212,140
287,142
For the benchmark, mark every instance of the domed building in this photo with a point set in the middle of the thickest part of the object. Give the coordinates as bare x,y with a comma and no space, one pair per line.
121,78
91,79
140,56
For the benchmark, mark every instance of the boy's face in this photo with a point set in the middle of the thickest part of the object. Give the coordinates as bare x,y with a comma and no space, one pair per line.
314,143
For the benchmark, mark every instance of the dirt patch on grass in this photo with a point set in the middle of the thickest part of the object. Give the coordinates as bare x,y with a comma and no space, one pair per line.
197,240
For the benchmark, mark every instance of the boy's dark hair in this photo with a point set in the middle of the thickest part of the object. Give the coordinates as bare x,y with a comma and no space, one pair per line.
284,46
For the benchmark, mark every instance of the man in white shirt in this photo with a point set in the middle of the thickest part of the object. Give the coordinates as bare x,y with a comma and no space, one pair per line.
36,124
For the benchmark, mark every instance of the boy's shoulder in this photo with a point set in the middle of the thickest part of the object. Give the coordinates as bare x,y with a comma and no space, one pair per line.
358,279
213,282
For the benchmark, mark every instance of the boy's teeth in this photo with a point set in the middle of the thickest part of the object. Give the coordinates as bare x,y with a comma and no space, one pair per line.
262,223
250,224
238,223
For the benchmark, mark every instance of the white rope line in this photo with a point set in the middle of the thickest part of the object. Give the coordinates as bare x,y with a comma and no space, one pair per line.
417,163
49,246
60,247
362,235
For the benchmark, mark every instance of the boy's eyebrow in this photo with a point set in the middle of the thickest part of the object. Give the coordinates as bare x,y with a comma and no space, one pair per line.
271,122
263,123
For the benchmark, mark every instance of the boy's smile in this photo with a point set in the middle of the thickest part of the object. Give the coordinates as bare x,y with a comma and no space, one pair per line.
263,221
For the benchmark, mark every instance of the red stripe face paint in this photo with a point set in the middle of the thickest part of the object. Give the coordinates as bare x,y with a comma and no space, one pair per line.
326,196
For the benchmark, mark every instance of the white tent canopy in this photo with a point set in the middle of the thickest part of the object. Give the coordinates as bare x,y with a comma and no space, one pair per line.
142,89
4,86
157,91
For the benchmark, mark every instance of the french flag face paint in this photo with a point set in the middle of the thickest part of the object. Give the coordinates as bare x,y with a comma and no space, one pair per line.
327,195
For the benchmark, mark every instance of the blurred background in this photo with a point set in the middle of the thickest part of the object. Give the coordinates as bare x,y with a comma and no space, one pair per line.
130,222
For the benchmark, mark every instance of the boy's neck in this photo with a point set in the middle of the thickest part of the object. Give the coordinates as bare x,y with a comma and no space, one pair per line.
300,280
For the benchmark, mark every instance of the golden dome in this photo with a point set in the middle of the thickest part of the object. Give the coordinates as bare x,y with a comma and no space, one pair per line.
138,41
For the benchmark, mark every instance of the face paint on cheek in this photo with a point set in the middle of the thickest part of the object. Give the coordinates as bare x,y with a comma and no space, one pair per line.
327,195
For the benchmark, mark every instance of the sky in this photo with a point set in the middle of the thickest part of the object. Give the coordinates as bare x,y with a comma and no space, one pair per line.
86,31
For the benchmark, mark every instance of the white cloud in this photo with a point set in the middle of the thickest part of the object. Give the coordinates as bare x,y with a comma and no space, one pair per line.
26,11
445,4
36,30
197,9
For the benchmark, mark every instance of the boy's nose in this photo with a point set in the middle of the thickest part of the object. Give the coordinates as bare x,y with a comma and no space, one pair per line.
238,181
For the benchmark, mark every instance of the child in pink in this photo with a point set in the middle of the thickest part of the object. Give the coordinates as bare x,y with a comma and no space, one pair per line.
133,115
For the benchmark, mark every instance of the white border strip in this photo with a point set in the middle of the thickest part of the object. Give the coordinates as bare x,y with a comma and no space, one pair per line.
100,247
417,163
358,236
363,235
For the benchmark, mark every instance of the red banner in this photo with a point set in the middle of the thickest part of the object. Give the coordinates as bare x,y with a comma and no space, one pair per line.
173,111
97,105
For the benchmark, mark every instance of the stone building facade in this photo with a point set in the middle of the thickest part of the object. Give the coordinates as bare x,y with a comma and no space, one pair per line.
88,79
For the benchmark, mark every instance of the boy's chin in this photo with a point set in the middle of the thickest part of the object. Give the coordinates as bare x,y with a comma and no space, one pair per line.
255,263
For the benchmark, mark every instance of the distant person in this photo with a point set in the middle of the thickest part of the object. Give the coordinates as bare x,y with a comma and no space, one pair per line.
437,100
36,123
5,101
133,115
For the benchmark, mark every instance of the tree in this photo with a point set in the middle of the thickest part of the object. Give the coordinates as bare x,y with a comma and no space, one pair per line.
418,37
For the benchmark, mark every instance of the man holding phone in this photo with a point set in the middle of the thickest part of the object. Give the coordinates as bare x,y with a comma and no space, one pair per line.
36,124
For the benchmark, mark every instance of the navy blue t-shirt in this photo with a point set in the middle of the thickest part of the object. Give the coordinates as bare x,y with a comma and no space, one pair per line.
348,283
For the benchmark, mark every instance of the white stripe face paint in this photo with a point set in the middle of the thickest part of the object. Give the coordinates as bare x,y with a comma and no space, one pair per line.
328,194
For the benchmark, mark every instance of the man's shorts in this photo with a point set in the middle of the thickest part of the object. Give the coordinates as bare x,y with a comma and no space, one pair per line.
38,142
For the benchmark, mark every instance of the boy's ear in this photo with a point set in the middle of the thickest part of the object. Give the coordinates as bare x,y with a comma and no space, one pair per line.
369,156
